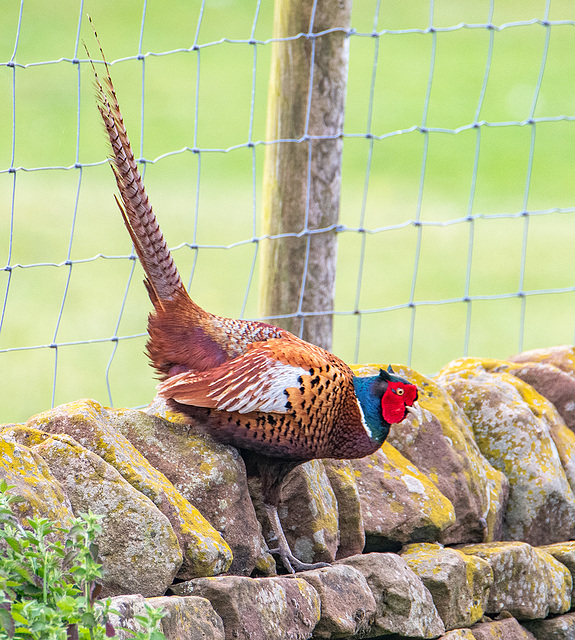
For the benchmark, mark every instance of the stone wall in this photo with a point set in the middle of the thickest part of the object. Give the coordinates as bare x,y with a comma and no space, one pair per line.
458,527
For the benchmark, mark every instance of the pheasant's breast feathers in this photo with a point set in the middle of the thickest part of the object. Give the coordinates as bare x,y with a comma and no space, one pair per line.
282,397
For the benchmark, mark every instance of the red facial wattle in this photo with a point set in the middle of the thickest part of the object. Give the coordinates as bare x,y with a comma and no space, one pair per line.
396,398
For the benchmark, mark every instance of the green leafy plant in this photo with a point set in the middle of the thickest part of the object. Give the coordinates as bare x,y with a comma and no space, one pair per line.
49,588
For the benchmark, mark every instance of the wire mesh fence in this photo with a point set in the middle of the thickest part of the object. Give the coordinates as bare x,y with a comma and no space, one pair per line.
457,219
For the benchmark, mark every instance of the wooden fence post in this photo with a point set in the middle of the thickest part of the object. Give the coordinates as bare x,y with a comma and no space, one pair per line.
302,179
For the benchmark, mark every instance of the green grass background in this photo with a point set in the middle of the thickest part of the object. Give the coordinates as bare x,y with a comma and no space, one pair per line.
51,215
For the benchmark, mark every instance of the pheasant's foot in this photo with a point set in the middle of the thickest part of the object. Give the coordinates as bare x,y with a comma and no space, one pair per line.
293,564
290,562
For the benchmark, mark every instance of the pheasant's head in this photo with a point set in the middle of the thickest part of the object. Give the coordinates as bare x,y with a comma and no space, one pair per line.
398,397
385,399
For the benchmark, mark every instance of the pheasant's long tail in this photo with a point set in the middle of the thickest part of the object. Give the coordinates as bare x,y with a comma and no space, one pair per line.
163,279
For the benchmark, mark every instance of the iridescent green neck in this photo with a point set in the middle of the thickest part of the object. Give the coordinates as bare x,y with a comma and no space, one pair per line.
368,392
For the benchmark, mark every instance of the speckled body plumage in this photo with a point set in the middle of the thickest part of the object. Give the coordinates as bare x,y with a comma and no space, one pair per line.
278,399
322,420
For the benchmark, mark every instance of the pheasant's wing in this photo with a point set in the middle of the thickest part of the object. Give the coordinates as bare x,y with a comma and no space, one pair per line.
262,379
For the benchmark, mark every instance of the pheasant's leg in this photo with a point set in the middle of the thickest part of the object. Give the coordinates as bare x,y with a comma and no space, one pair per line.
290,562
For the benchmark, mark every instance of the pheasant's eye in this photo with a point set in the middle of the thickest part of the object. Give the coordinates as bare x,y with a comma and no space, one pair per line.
399,392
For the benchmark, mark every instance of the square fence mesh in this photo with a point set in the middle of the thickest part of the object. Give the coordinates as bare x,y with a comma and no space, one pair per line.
457,221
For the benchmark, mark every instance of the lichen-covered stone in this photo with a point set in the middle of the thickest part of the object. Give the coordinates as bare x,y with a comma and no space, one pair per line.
307,510
512,430
403,604
209,475
505,629
558,386
562,357
459,584
259,608
40,493
204,550
440,444
347,603
559,628
189,617
398,503
564,439
458,634
138,548
564,552
551,381
527,582
341,476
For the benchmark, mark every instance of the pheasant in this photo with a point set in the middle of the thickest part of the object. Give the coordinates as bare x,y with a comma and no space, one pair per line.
280,400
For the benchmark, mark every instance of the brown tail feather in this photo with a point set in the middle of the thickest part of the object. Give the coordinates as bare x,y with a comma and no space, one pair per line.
163,279
183,337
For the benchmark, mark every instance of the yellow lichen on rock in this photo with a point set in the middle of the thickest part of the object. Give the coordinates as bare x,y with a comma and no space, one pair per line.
183,616
458,583
429,499
398,502
459,634
42,495
542,408
341,476
528,582
562,357
309,515
514,427
205,551
208,474
137,545
564,552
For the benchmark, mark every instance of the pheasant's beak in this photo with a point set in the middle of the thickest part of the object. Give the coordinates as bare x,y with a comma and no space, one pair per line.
416,411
